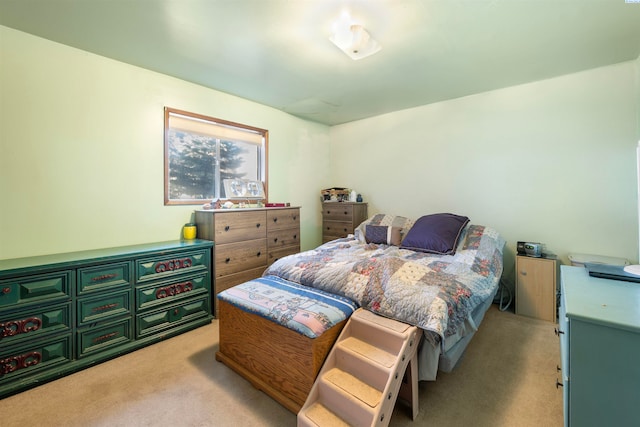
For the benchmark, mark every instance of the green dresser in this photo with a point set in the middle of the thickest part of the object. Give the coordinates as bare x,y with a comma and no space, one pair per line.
599,329
61,313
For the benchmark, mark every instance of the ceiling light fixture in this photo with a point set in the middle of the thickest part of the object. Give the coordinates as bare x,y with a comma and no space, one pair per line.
353,39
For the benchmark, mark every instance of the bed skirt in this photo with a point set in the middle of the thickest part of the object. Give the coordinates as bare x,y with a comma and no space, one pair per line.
431,359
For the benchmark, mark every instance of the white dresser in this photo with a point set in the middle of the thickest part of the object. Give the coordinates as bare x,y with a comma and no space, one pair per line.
599,329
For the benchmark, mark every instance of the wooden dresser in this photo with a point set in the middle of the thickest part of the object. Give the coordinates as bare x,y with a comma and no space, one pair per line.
247,241
64,312
341,218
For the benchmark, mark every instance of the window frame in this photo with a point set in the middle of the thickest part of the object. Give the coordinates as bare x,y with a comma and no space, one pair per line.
168,111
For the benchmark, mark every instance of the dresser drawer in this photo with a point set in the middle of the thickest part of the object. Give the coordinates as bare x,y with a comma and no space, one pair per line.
103,277
158,267
158,321
235,257
285,237
277,253
33,357
238,226
31,324
230,280
337,212
95,339
33,289
337,228
169,291
283,218
94,309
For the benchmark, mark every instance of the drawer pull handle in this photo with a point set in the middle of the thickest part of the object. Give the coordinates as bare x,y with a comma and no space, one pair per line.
558,331
275,240
295,217
105,337
328,212
173,264
6,290
558,368
559,384
258,254
226,228
346,213
19,361
227,261
104,307
275,219
258,225
21,326
524,273
295,236
175,289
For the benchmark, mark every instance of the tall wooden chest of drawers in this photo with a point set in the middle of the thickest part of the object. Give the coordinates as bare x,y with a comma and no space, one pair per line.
341,218
247,241
61,313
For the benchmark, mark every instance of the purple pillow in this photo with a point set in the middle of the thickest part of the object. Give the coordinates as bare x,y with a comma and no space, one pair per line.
437,233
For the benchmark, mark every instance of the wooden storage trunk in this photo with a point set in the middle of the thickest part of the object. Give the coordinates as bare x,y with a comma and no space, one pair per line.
277,360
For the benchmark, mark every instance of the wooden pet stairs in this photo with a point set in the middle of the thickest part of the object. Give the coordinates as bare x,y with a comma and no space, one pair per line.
363,374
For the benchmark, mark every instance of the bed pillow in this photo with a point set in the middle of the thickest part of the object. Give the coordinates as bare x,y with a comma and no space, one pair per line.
437,233
383,235
383,219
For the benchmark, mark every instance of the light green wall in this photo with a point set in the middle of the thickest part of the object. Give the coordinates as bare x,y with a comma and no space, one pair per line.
81,150
81,159
552,161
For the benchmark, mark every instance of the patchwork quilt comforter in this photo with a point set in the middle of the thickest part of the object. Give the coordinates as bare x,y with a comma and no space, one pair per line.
434,292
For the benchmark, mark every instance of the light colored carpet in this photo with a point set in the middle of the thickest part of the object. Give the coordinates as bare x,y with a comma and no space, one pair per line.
506,378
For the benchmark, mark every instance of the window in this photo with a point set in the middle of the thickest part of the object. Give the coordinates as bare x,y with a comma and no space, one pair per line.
200,152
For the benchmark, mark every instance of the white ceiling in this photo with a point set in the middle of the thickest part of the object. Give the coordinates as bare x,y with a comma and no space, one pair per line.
278,53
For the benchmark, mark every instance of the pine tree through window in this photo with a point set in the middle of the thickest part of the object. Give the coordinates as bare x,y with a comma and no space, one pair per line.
200,152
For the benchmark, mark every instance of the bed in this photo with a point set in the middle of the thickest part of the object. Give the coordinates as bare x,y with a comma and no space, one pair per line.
439,272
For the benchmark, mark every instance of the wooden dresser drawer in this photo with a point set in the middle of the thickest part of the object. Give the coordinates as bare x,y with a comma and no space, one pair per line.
235,257
337,212
277,253
239,226
159,267
230,280
166,292
156,321
337,228
32,289
100,338
103,307
283,218
32,357
30,324
285,237
103,277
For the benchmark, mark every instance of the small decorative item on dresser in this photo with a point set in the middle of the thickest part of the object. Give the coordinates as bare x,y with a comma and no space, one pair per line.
335,194
189,231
